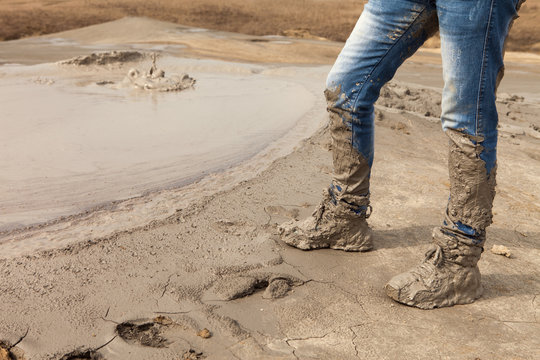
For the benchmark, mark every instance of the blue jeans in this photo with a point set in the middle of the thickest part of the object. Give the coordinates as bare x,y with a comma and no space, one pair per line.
388,32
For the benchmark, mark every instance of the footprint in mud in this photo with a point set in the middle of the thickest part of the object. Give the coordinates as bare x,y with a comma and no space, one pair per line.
162,331
10,352
142,332
274,286
83,354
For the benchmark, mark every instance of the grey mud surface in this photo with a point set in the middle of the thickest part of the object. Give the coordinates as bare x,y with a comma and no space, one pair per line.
219,265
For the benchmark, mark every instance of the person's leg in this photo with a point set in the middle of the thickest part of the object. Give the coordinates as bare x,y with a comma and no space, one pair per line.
472,41
387,33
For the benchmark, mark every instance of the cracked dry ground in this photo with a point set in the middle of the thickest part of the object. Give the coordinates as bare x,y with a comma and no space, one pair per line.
215,282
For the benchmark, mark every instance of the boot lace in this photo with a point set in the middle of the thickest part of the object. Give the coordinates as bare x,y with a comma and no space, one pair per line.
434,259
319,212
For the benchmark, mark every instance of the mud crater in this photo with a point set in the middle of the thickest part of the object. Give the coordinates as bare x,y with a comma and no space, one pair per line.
153,79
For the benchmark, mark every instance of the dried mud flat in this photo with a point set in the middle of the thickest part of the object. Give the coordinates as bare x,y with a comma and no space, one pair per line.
214,281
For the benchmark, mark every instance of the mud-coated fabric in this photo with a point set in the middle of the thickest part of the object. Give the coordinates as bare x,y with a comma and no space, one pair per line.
472,41
472,189
350,183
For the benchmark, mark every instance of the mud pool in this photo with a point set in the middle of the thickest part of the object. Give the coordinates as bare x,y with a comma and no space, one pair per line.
71,145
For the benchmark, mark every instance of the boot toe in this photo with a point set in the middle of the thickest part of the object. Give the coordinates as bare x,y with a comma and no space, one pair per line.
407,288
398,288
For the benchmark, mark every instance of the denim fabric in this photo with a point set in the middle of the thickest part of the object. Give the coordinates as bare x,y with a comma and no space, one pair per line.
388,32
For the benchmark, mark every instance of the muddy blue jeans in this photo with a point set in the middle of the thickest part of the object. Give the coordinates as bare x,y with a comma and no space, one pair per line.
388,32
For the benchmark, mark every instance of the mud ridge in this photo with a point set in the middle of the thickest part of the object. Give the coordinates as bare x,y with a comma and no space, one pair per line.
105,58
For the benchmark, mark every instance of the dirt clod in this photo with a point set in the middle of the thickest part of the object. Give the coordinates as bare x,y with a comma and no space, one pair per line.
501,250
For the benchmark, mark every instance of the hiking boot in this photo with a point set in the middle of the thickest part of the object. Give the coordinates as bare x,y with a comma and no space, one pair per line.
448,275
333,224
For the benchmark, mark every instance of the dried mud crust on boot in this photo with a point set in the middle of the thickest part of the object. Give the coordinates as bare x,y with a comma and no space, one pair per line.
448,276
330,226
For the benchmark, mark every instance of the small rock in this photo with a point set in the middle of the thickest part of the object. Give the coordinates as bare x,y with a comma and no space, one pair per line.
204,333
501,250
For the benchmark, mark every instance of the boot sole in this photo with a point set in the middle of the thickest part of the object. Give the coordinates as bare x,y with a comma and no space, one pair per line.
394,293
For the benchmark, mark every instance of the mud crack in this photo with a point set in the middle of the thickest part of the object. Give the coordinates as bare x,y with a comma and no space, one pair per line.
287,341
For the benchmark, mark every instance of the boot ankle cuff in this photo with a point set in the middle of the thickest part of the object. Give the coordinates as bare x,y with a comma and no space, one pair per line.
457,248
347,204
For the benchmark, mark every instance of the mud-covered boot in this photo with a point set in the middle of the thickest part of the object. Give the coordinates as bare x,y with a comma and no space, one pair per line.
333,224
448,276
339,222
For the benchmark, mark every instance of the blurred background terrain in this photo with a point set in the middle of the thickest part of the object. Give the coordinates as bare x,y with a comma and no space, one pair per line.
330,19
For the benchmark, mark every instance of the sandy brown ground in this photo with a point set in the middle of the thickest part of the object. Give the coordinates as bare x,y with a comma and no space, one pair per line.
333,19
219,264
